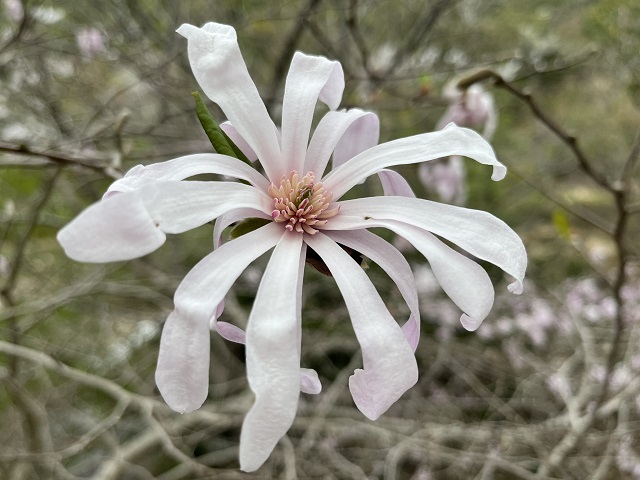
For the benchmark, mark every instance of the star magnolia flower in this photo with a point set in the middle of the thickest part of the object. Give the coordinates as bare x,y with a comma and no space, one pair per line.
304,210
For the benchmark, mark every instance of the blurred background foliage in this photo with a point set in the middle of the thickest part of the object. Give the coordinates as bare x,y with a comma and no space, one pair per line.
91,89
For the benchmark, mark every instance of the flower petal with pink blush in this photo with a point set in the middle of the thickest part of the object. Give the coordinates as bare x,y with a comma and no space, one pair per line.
273,358
479,233
390,367
310,78
236,215
132,224
220,70
309,381
394,184
394,264
361,135
185,167
418,148
330,130
182,374
228,128
462,279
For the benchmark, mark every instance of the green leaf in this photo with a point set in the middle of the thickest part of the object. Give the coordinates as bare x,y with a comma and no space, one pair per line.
221,142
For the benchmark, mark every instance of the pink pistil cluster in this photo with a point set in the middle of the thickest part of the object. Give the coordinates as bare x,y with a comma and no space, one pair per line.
301,203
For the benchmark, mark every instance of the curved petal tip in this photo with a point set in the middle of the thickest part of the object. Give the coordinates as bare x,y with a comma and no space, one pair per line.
470,324
515,287
499,172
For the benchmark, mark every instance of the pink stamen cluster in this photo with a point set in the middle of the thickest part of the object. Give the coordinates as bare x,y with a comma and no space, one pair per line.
301,204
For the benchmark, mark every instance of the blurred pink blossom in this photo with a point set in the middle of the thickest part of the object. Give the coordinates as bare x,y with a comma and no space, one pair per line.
473,108
90,41
14,9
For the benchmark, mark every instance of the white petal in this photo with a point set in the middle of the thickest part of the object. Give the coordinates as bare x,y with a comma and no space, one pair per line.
390,367
309,78
183,362
273,358
240,142
233,216
479,233
394,264
419,148
220,70
394,184
180,206
309,381
117,228
182,374
361,135
185,167
330,130
462,279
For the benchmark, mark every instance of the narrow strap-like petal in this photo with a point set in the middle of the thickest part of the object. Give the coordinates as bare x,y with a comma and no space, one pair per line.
462,279
182,374
394,184
419,148
220,70
309,78
185,167
361,135
233,216
133,224
479,233
330,130
231,131
309,381
394,264
390,367
273,358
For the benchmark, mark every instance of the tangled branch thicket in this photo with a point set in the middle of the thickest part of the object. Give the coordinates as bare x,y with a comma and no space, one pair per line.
547,387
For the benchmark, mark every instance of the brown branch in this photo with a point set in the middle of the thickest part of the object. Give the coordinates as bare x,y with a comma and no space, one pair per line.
98,165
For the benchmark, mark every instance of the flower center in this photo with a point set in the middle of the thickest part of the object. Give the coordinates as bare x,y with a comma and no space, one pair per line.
301,204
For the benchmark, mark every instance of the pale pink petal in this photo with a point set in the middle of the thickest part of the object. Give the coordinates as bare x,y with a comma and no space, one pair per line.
390,367
133,224
233,216
309,78
185,167
273,358
182,374
419,148
360,136
394,184
330,130
462,279
309,381
479,233
240,142
118,228
394,264
230,332
220,70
